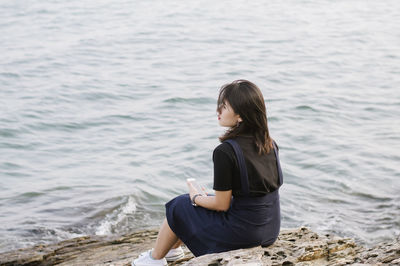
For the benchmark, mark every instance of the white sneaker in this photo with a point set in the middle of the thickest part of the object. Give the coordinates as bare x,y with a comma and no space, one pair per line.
145,259
175,254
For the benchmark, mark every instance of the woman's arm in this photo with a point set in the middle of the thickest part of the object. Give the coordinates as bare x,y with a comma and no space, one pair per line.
220,202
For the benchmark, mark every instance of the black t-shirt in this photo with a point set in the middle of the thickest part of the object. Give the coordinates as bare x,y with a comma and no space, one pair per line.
262,169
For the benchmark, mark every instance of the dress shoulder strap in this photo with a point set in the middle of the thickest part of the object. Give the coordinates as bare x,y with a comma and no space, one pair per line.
242,165
278,163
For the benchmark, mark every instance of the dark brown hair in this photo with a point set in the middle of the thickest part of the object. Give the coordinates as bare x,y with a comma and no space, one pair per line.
247,101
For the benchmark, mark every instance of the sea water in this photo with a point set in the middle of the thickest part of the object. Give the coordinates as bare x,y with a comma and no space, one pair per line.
107,107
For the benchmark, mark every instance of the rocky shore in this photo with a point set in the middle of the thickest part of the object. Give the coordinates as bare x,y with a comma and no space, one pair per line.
294,247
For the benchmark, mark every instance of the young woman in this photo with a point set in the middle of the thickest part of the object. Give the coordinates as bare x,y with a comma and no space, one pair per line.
245,210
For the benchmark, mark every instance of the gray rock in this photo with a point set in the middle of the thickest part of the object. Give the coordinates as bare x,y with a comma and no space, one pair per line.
294,247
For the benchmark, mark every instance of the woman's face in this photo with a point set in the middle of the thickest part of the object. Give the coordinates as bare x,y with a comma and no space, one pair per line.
227,117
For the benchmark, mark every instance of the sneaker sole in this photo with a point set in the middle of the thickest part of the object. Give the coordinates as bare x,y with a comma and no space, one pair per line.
133,264
175,258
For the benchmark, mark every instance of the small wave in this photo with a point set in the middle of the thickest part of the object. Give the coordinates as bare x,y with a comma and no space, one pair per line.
112,220
66,126
305,107
50,234
115,118
201,100
9,133
26,197
9,75
98,96
9,165
17,146
31,194
370,196
58,188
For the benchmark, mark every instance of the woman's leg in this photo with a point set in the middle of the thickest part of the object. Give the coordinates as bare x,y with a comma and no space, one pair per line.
166,239
177,244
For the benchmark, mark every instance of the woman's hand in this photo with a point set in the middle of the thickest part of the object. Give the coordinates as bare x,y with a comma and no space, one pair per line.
220,202
193,191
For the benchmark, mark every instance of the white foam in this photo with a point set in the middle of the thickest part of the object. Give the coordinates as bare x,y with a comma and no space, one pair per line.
112,220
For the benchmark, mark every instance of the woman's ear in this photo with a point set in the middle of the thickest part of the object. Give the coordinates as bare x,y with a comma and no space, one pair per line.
240,120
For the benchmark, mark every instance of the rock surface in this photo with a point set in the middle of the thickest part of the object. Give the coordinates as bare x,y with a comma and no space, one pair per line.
294,247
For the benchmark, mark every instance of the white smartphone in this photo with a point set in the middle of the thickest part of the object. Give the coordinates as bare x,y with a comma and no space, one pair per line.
194,183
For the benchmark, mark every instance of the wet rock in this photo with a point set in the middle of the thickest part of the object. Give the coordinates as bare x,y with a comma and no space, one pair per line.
294,247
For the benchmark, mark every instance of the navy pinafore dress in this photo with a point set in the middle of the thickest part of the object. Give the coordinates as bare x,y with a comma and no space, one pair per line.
249,222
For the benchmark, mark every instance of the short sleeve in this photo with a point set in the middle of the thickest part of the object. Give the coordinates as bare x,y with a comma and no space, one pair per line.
223,169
